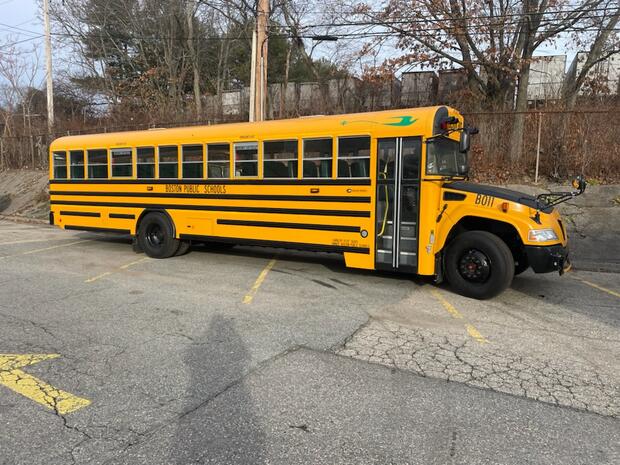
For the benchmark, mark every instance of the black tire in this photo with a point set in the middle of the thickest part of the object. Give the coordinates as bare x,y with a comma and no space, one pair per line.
183,248
521,262
156,236
479,264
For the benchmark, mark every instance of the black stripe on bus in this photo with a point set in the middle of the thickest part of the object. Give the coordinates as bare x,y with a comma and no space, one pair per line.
222,208
124,216
273,224
278,244
92,214
93,229
295,198
240,182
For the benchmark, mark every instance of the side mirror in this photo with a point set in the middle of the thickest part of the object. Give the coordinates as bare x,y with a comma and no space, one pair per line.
465,141
579,183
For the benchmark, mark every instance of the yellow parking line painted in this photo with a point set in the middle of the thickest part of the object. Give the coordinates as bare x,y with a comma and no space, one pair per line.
261,277
99,276
122,267
30,252
127,265
473,332
471,329
447,305
596,286
12,377
28,241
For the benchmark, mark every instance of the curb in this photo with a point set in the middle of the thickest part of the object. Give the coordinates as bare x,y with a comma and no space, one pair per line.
23,219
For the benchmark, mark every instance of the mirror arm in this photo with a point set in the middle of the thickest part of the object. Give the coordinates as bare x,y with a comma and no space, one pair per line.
555,198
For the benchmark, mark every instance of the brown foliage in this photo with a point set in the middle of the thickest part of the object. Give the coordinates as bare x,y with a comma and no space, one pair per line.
589,146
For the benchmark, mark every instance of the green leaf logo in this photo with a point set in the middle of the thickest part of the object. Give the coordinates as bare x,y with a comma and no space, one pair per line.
403,121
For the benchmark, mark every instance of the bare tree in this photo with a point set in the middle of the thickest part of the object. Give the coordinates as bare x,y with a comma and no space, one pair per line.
604,42
492,40
19,77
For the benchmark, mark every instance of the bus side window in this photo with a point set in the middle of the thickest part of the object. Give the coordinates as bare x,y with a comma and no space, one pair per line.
168,162
145,162
218,161
317,158
280,159
60,165
192,162
97,164
122,163
76,158
246,159
354,157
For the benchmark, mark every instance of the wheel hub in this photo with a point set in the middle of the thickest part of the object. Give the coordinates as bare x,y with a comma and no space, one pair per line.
155,235
475,266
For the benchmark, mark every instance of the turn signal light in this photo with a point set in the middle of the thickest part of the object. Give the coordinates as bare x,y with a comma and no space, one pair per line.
504,207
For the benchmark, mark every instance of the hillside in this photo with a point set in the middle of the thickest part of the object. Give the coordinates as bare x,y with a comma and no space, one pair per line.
24,193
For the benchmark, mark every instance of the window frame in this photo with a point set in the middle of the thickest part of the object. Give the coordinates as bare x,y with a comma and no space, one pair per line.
230,160
138,163
71,165
89,164
257,161
201,163
369,157
455,145
66,165
131,163
264,160
159,162
332,159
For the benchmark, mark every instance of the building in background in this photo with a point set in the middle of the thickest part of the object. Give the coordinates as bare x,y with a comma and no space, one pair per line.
602,79
418,89
451,85
546,78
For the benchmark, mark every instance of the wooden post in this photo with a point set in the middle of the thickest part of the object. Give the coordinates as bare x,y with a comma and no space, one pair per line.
538,147
48,67
259,65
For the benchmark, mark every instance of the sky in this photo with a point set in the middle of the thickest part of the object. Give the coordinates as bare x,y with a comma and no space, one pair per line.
19,16
22,14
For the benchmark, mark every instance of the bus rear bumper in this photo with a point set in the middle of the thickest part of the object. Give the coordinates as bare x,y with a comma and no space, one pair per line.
545,259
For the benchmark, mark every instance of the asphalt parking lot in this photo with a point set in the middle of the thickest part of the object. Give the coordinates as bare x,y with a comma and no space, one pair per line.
255,355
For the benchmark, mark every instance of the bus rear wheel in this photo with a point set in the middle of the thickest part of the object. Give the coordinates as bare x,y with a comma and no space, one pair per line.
184,247
156,236
479,264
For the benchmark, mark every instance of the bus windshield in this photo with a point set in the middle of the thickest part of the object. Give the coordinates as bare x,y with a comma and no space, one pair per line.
444,158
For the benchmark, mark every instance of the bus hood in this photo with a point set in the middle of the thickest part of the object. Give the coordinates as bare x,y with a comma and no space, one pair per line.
499,192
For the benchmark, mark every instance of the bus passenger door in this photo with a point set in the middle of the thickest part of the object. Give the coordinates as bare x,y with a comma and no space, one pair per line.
398,194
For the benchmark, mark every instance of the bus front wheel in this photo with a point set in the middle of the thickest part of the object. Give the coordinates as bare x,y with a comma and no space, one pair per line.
156,236
479,264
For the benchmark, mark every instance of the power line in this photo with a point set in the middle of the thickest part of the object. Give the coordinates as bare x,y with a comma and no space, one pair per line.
449,30
12,44
380,23
446,30
461,18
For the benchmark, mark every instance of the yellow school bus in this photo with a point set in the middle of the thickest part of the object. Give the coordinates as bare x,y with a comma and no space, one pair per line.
386,189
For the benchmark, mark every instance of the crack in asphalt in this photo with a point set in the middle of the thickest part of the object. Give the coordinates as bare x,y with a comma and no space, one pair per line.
459,360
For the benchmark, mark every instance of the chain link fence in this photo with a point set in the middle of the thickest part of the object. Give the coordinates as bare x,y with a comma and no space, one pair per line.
556,144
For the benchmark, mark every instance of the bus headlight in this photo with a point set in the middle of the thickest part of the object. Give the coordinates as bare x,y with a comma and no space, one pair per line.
542,235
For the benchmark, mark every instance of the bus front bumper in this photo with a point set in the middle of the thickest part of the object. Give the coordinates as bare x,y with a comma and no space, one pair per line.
545,259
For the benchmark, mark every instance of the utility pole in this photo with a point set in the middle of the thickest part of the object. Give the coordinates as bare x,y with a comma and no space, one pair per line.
48,67
258,86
